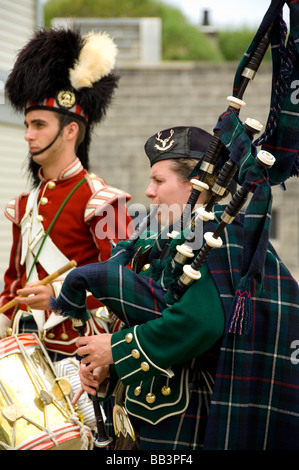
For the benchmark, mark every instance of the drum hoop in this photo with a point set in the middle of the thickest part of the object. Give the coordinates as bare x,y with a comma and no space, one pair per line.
50,439
11,343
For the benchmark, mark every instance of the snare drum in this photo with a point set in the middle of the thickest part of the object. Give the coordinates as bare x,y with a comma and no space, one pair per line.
35,411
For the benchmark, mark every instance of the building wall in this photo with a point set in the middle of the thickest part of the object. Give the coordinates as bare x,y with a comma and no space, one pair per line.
18,19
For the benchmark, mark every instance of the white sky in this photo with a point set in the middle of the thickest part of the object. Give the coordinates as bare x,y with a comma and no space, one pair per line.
225,13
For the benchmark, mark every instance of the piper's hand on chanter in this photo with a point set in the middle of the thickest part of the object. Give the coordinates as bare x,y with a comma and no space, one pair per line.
95,350
35,297
90,381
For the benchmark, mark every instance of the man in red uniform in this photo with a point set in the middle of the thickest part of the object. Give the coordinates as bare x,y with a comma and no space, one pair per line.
65,83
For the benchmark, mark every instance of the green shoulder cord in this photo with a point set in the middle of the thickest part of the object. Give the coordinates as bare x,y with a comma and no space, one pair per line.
47,233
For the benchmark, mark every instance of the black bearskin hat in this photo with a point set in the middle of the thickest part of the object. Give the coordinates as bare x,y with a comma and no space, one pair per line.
65,72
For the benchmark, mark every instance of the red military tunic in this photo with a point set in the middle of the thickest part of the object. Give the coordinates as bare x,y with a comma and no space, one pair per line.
95,214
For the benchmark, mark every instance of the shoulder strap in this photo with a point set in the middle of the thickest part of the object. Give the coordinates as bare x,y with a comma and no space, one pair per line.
12,208
102,195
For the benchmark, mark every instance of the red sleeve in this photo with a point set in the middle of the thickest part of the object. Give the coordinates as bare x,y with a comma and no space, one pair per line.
114,223
15,275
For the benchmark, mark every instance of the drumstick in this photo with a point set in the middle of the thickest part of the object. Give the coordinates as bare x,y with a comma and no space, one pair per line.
42,282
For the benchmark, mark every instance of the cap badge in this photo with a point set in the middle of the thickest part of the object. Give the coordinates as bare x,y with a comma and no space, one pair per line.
164,142
66,99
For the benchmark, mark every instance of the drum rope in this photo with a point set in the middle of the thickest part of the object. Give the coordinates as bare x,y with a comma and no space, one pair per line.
87,442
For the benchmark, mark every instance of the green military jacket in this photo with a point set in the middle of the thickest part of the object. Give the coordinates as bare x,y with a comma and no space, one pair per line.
154,359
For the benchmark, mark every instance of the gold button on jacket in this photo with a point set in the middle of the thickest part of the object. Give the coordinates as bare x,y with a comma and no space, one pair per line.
150,398
129,338
44,201
137,391
135,353
166,391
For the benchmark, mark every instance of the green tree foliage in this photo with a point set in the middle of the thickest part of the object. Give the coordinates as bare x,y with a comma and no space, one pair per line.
233,44
180,39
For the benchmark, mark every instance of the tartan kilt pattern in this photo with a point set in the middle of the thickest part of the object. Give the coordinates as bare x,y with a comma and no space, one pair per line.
255,402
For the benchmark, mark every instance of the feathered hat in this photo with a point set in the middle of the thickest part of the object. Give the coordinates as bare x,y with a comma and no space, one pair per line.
63,71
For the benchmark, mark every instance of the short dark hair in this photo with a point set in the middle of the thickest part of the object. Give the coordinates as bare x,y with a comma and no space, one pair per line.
66,120
183,167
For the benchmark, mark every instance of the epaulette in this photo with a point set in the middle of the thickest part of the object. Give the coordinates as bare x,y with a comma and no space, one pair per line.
102,195
12,209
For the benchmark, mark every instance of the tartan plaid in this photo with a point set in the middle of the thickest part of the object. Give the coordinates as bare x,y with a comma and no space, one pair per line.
255,400
118,288
258,213
281,135
254,403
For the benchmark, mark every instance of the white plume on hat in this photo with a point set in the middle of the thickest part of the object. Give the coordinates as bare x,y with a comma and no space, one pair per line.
96,60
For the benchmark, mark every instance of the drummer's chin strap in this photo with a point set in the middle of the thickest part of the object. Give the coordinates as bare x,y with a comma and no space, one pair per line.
63,122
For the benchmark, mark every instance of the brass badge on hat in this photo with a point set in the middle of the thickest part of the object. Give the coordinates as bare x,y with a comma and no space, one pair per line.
164,142
66,99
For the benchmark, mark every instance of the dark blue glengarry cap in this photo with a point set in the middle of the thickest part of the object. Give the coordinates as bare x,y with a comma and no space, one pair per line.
177,142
